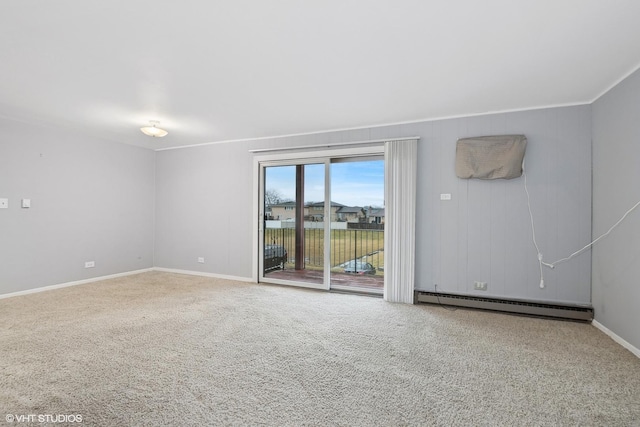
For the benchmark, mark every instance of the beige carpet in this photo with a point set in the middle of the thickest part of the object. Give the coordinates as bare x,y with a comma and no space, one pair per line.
165,349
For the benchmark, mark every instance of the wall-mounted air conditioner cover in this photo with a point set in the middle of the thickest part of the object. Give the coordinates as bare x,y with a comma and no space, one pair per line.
490,157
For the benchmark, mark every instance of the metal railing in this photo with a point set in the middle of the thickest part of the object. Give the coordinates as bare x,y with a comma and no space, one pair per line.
346,245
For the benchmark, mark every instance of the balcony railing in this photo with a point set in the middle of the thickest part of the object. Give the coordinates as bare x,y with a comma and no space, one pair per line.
346,245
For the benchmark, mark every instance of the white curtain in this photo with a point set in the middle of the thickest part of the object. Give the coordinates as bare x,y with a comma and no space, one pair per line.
400,222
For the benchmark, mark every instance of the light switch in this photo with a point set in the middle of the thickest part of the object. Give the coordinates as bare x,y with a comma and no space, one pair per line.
4,203
446,196
26,203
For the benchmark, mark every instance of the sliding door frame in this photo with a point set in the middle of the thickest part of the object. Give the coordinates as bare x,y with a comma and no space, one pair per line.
299,157
325,161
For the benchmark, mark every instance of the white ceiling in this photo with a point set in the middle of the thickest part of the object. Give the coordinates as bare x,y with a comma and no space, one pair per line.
214,71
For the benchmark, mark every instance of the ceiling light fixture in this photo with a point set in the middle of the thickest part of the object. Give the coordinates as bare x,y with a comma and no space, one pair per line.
154,130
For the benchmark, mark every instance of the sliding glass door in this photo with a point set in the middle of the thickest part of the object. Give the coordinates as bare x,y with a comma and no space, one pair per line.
322,223
357,226
293,228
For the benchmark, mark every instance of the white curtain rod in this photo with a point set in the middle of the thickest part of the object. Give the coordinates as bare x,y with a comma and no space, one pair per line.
334,144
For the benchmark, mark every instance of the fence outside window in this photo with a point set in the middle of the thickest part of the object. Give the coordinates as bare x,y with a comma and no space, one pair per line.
346,245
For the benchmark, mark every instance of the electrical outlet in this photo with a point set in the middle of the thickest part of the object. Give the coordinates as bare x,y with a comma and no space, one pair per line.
89,264
201,260
480,286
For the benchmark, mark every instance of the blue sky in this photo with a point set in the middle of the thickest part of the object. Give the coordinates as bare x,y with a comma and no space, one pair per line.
352,183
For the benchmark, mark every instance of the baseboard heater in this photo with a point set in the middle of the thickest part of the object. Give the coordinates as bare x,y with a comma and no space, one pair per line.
558,311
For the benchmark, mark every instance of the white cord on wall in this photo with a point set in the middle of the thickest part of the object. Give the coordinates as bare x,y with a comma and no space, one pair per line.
576,253
533,227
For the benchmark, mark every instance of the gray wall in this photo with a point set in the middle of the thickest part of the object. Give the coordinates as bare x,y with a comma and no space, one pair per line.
204,209
616,188
484,232
90,200
205,206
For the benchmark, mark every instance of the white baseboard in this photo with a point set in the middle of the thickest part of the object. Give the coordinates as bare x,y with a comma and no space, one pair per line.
77,282
616,338
200,273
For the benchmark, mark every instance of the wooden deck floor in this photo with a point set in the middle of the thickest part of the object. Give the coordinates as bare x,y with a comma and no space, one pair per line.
355,281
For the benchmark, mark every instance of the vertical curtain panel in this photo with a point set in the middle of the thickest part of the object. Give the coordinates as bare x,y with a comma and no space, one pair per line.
400,223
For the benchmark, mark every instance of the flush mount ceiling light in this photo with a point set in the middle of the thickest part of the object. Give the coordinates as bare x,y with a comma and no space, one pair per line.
154,130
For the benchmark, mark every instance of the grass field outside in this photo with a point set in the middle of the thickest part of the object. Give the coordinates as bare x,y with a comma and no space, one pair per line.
346,245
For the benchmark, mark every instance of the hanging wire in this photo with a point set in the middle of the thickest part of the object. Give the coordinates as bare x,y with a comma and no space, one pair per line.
576,253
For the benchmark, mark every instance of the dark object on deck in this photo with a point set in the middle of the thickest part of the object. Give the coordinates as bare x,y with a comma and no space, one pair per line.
274,257
359,267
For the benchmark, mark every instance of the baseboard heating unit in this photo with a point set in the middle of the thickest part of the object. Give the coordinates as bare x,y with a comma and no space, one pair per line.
545,309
